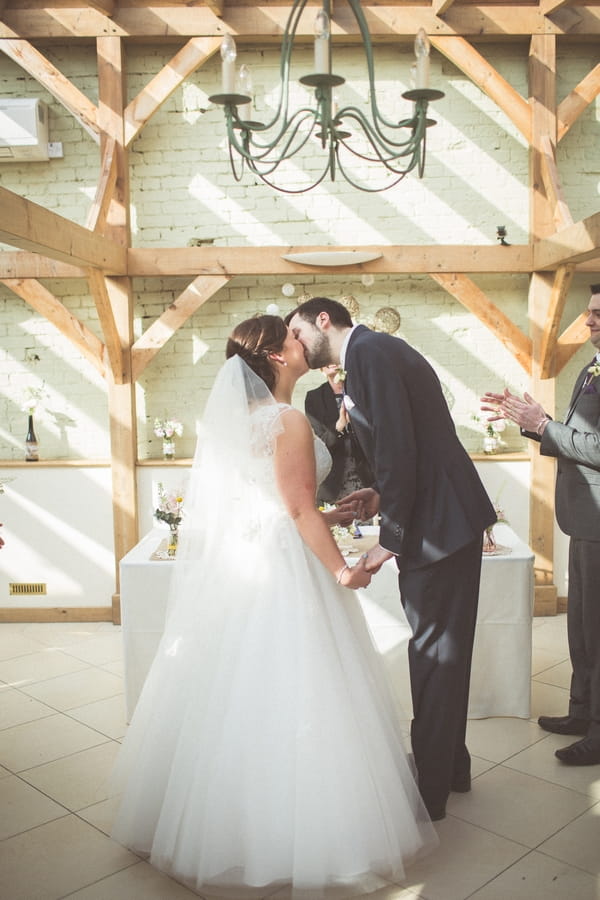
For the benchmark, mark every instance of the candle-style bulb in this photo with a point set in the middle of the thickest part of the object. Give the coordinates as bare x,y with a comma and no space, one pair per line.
228,49
422,47
322,34
228,56
245,87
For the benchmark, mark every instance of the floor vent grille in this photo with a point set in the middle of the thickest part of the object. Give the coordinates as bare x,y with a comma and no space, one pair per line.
27,587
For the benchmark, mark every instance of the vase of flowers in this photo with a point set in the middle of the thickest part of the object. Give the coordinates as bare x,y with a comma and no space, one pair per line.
32,400
170,511
168,429
489,539
491,434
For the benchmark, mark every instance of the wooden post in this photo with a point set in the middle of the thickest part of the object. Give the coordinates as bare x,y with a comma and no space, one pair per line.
121,394
542,90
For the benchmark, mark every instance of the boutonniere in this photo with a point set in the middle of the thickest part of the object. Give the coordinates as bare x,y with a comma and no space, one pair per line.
340,375
594,370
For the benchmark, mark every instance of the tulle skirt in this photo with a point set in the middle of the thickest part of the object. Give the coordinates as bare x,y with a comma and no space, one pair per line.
265,748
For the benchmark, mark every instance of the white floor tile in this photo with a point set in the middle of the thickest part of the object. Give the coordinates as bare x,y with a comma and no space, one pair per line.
538,877
101,815
467,858
558,675
24,807
39,742
15,643
517,806
77,780
102,648
578,843
548,700
35,667
76,689
53,860
540,761
16,708
138,882
497,739
106,716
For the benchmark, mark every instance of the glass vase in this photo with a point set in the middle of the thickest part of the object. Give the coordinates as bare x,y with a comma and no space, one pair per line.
489,541
173,539
31,444
490,444
168,448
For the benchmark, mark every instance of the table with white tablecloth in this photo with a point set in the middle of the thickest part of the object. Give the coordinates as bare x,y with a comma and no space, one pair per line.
501,672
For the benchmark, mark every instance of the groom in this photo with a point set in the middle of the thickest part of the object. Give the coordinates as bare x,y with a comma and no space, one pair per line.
433,511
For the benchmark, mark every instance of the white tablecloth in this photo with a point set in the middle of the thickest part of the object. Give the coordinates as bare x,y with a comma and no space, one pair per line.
501,673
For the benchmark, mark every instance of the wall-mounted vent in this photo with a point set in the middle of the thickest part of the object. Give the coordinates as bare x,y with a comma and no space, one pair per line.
26,587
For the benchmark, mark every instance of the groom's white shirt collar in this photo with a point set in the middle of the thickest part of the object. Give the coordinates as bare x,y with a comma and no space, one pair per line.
345,347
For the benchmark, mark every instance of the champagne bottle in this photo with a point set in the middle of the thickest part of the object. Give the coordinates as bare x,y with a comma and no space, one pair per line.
31,444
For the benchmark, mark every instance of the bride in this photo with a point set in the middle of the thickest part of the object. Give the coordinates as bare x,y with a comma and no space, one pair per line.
265,750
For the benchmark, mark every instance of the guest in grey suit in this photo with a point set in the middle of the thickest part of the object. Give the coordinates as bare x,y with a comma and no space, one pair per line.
433,511
576,446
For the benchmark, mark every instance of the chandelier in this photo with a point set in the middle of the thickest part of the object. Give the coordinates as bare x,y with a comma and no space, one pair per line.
345,135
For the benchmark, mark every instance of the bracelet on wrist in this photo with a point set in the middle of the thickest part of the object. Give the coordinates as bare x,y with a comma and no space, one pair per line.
341,572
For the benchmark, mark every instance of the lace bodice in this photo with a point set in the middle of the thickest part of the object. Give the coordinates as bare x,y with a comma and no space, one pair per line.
323,460
266,426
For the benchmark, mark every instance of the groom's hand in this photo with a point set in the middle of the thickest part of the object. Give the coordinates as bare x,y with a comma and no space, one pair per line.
364,503
375,558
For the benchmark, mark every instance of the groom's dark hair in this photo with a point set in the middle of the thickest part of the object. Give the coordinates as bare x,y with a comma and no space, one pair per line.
310,309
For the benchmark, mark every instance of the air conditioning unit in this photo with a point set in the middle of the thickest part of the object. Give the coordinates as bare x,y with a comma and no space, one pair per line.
23,130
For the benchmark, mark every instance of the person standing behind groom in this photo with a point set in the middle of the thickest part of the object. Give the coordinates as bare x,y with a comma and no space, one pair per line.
576,445
434,510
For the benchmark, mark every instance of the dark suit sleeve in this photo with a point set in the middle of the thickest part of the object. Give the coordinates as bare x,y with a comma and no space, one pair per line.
315,409
379,388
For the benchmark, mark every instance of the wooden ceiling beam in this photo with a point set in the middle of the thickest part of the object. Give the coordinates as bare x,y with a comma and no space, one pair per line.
96,219
265,21
573,244
401,259
575,103
156,336
558,298
441,6
474,299
553,186
468,60
22,264
28,226
106,7
99,289
570,341
32,61
195,53
48,306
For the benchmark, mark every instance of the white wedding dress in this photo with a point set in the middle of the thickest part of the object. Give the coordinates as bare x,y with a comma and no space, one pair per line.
265,748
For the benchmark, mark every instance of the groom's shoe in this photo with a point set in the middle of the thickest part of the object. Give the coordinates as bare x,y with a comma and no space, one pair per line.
564,725
581,753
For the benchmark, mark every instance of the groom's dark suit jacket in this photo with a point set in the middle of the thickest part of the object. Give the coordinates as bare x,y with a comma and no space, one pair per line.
432,500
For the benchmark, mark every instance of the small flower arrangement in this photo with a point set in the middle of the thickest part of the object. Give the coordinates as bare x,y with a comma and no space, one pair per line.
33,398
170,506
594,369
340,376
167,428
491,429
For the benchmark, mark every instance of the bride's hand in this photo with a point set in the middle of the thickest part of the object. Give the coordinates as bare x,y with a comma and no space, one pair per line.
354,577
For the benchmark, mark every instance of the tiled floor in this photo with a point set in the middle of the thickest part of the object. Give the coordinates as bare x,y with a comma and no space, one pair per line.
529,829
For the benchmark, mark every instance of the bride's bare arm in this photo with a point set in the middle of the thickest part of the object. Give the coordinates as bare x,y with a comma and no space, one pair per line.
296,480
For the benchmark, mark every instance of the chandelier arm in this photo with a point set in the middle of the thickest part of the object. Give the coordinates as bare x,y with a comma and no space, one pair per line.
295,123
387,163
361,187
285,190
377,138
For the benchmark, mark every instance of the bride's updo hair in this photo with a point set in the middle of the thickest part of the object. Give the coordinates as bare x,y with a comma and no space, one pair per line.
253,340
